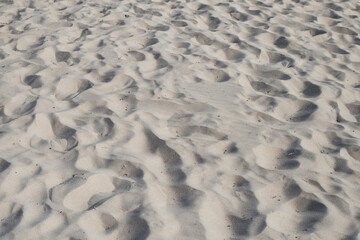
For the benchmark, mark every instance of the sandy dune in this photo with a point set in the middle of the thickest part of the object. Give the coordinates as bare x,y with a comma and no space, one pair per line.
181,120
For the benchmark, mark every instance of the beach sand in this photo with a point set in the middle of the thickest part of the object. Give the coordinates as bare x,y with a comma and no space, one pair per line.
179,120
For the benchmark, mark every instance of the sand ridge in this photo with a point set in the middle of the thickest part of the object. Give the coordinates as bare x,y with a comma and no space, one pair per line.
161,119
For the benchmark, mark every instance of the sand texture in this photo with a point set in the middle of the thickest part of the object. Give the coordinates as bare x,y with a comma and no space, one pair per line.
179,119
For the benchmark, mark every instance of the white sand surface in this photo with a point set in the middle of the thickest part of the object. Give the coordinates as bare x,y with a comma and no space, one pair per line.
179,119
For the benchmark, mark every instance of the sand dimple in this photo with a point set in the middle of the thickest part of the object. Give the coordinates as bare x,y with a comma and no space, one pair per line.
21,104
62,56
275,194
78,198
10,219
29,42
300,216
214,75
33,80
273,158
70,87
